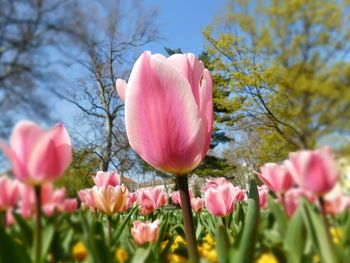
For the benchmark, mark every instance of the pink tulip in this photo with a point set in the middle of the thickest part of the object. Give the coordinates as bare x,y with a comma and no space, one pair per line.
214,183
291,199
314,171
132,199
335,201
168,111
9,192
86,198
106,178
276,177
197,204
152,198
10,219
38,156
144,232
175,197
70,205
263,194
220,201
110,199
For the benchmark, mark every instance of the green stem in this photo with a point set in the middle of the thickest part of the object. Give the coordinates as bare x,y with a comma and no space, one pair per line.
37,247
109,219
324,217
182,183
3,218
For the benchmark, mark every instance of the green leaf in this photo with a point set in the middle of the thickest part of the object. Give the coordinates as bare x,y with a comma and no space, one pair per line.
141,255
278,214
99,245
246,248
294,241
222,243
47,235
120,229
318,233
10,251
26,230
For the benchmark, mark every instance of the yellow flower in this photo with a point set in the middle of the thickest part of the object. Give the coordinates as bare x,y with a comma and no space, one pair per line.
316,259
79,251
267,258
209,239
336,234
121,255
173,258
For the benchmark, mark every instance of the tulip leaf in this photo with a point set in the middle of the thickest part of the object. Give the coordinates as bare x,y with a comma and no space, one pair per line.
246,247
294,241
278,214
11,251
25,228
318,233
47,235
99,243
141,255
222,243
121,227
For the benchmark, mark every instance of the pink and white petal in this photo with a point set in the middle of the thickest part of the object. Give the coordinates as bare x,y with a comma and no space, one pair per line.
23,138
192,70
160,105
121,88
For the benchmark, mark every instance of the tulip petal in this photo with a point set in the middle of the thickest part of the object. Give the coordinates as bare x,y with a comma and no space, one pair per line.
192,70
161,105
23,139
215,203
121,88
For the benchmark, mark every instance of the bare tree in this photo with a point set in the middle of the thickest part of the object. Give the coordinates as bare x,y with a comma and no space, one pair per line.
29,31
107,43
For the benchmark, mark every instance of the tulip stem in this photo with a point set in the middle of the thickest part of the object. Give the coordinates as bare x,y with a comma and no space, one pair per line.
109,219
37,247
324,217
182,184
3,218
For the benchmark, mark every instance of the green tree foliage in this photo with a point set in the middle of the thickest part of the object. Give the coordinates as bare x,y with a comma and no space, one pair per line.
78,176
281,72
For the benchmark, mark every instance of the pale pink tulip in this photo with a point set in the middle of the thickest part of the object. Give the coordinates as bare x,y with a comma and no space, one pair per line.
152,198
9,192
38,156
144,232
335,201
197,204
314,171
276,177
168,111
10,219
87,199
263,194
220,201
110,199
291,199
175,197
106,178
214,183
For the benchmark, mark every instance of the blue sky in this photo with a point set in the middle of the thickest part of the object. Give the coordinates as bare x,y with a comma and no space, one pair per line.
182,22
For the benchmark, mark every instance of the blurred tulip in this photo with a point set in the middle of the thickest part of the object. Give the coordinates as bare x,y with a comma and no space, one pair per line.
144,232
10,219
38,156
86,198
197,204
291,199
70,205
263,194
168,111
175,197
220,201
110,199
152,198
106,178
9,192
335,201
214,183
314,171
276,177
132,199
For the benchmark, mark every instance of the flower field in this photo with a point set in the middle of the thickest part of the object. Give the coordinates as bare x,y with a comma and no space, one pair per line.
298,213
